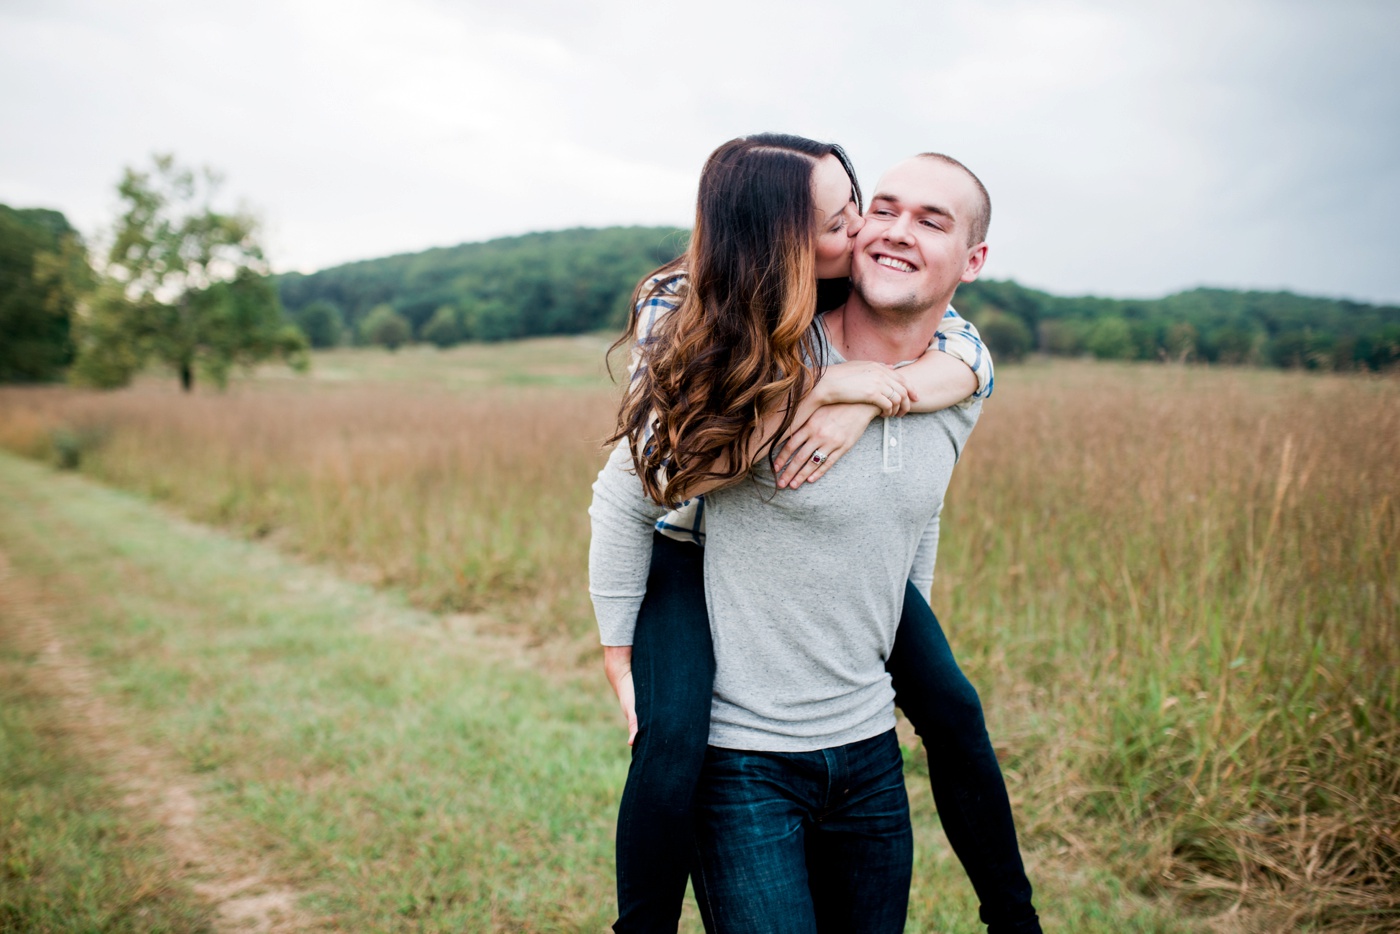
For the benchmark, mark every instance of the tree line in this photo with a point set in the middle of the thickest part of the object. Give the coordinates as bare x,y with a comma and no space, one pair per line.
572,281
1278,329
187,284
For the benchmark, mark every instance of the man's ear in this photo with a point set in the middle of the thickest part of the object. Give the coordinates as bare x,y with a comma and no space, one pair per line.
976,259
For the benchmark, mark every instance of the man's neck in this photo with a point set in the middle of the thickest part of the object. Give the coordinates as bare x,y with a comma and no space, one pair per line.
859,332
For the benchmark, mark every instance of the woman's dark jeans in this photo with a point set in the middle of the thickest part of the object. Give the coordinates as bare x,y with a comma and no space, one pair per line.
673,671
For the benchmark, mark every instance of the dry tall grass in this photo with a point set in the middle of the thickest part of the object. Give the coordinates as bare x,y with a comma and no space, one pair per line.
1177,588
1181,587
463,502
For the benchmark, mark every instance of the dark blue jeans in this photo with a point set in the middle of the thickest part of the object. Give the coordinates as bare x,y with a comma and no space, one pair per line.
804,842
673,674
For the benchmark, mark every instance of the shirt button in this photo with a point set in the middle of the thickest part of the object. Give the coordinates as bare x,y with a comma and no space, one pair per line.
894,442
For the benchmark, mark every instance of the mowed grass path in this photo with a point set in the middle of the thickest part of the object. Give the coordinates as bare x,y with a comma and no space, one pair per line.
400,773
363,764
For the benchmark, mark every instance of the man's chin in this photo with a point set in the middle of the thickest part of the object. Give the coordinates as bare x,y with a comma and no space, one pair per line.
891,301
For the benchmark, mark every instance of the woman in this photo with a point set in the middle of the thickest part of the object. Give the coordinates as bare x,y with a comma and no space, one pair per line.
725,333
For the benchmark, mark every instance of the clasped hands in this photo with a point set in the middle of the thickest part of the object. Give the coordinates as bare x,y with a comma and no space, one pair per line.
848,396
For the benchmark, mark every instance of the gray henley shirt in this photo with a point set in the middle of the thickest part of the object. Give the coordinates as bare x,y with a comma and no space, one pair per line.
805,587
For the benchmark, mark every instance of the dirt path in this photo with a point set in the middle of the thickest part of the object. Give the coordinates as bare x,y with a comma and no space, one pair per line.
243,890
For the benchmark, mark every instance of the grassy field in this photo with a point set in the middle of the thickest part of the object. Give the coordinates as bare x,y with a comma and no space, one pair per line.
1176,588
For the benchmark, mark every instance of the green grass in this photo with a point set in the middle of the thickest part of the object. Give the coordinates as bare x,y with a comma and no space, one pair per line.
72,858
405,771
394,769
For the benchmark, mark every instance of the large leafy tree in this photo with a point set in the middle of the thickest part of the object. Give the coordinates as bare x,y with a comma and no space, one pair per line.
43,272
185,283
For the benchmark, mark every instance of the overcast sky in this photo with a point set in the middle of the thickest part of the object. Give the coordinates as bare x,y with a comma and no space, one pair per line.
1130,148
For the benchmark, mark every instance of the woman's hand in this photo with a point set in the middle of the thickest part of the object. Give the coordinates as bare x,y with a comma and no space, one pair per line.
865,381
832,430
617,664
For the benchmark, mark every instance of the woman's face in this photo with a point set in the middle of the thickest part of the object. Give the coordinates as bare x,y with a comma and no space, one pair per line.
837,218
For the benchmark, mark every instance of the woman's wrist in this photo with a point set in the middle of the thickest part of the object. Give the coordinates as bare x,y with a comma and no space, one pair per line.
823,391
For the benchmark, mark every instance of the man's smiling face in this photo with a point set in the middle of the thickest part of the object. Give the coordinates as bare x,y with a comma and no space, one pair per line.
913,250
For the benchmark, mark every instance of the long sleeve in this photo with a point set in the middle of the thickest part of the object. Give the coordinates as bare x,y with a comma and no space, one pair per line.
921,574
619,552
959,337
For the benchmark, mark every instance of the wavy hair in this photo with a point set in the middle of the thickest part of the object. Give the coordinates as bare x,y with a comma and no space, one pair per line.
741,342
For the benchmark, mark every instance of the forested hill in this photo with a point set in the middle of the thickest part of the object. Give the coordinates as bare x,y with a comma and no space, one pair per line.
571,281
1215,325
560,282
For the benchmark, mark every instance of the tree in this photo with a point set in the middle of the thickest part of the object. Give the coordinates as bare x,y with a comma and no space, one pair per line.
186,284
1111,338
1061,337
43,273
444,328
322,323
386,327
1007,336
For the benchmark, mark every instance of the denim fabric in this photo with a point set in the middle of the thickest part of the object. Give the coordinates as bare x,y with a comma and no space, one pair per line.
804,842
673,673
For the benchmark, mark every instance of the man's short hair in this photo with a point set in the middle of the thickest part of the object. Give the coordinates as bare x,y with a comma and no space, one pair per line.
982,219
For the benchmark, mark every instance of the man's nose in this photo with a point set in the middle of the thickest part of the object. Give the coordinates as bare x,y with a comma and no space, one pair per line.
898,232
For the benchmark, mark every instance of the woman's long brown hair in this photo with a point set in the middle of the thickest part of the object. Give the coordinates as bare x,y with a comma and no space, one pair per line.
741,342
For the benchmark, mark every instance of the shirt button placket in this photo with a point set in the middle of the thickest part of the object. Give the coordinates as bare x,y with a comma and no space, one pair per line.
893,444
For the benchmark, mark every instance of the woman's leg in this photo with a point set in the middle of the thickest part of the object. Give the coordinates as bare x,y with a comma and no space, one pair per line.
673,672
968,787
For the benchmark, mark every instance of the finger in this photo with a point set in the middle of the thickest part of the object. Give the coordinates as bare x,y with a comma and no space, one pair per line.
898,403
909,392
787,460
820,472
809,467
905,403
801,461
786,452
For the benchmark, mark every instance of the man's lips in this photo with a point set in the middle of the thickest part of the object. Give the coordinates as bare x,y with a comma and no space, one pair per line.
890,262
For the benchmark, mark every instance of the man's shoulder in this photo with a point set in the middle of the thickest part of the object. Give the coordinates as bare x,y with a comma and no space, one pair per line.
953,425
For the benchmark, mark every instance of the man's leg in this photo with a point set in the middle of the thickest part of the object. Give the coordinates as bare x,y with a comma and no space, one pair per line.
968,787
860,853
752,814
673,671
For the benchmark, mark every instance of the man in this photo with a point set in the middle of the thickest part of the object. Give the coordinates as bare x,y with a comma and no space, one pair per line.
802,819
